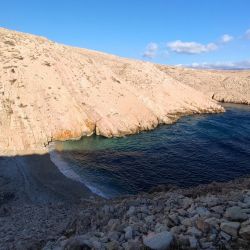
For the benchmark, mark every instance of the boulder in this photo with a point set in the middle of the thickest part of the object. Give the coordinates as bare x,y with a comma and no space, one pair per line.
128,233
235,213
245,232
230,228
202,225
158,241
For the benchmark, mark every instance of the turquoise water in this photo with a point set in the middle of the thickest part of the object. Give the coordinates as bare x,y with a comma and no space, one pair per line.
197,149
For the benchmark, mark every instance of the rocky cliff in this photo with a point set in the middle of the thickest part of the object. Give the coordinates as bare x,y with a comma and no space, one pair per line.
49,91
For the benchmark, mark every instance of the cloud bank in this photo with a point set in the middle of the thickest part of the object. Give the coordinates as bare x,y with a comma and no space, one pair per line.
191,47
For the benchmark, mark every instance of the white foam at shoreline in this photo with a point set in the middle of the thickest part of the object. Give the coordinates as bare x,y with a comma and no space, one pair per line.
67,170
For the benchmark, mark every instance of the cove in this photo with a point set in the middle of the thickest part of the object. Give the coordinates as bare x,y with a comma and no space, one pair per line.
196,150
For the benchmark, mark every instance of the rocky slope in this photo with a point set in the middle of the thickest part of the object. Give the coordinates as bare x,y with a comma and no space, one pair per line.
214,216
51,92
223,86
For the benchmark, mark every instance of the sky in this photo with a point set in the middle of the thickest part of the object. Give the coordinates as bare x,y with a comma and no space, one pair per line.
195,33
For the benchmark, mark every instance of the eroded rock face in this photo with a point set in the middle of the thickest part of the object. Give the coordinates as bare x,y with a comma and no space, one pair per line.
52,92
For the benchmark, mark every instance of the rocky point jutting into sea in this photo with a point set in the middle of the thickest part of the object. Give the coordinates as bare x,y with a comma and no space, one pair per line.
51,92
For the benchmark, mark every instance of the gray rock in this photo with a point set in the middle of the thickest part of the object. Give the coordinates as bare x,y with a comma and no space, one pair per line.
247,200
245,232
202,225
183,240
174,218
175,230
113,245
213,222
186,202
114,224
235,213
230,228
202,211
131,211
128,233
158,241
113,235
187,222
225,236
194,231
210,200
193,243
132,245
218,209
182,212
77,242
160,228
149,219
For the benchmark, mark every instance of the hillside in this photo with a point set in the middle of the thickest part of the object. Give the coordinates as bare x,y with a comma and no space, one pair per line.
49,92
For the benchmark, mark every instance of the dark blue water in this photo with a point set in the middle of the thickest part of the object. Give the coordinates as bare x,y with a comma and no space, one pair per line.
197,149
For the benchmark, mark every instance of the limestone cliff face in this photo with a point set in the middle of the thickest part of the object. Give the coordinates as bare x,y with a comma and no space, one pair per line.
52,92
223,86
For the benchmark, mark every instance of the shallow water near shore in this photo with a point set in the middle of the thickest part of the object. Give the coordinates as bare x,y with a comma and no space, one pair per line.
195,150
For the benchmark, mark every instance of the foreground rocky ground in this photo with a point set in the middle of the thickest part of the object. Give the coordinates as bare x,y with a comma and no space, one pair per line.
214,216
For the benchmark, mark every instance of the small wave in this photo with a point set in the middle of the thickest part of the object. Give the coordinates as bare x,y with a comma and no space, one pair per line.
67,170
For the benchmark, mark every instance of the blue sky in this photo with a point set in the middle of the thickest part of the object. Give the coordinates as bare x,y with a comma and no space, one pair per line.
208,33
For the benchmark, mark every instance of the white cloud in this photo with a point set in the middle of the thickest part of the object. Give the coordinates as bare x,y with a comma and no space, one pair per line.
226,38
191,47
151,50
220,65
247,34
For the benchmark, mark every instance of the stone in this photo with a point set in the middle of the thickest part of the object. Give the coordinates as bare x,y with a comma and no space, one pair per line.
247,200
175,230
245,232
193,243
174,218
218,209
235,213
210,200
131,211
113,224
132,245
128,233
225,236
158,241
213,222
186,202
202,225
230,228
113,235
194,231
187,222
183,240
113,245
202,211
160,228
149,219
77,242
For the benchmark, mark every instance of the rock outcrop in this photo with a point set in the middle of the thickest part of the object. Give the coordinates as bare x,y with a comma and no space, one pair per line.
53,92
